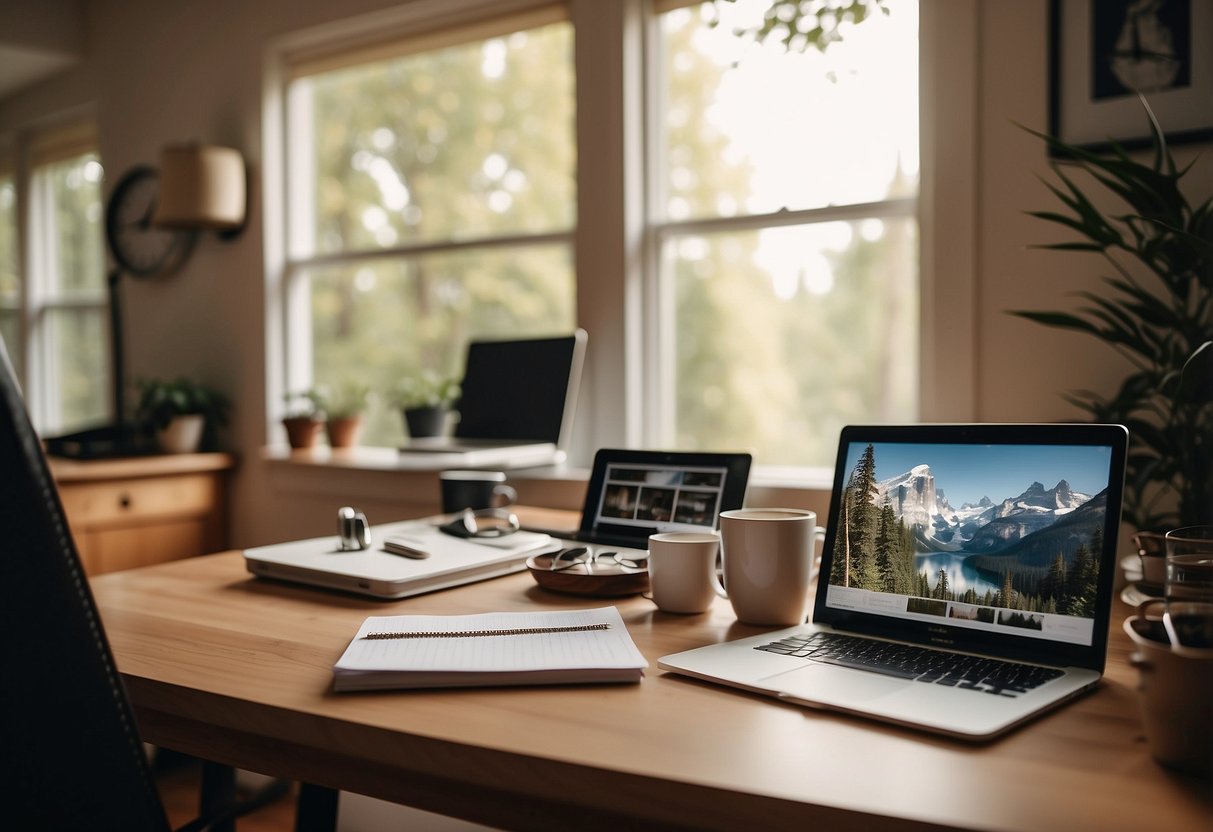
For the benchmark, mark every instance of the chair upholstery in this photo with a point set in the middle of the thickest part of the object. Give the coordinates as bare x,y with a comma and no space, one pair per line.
71,752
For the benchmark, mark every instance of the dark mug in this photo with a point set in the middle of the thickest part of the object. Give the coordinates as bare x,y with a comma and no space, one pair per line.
474,490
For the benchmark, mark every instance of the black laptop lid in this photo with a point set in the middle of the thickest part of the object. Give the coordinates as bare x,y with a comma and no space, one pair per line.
998,539
633,494
521,390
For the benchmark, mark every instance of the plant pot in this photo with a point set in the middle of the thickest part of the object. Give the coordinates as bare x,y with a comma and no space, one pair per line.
425,421
183,434
301,431
343,431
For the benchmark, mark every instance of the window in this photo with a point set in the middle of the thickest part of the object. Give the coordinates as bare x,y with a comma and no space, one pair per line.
784,221
10,285
434,201
53,302
432,197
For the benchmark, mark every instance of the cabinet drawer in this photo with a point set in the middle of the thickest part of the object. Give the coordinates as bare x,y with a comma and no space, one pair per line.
137,500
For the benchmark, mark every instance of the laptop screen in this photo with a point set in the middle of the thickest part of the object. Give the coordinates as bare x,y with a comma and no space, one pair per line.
638,493
975,535
520,390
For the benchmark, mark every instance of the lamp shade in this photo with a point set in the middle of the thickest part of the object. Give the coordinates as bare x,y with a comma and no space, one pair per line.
201,187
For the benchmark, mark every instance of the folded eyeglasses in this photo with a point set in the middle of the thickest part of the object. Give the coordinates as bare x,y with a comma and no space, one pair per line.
578,555
485,522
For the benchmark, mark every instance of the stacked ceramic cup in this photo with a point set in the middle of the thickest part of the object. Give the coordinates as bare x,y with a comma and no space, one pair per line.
1174,654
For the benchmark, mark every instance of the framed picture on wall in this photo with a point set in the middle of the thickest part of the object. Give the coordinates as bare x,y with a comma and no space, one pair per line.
1103,52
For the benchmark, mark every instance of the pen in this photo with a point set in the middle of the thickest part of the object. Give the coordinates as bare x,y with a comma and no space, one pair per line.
405,546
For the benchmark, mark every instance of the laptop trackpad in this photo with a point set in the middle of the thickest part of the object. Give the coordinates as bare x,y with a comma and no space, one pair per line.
833,685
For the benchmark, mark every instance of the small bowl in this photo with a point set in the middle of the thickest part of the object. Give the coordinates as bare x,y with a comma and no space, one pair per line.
602,580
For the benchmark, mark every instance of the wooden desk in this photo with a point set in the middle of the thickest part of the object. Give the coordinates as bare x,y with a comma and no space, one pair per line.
238,670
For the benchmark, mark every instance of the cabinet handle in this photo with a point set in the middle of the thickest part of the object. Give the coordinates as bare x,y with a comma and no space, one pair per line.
125,501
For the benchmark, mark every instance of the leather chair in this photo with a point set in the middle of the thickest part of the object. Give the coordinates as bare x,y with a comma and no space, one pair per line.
70,752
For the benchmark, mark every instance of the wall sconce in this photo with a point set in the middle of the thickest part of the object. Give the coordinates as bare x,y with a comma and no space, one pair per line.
202,187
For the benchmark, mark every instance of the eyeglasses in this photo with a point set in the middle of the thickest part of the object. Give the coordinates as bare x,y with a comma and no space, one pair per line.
485,522
577,555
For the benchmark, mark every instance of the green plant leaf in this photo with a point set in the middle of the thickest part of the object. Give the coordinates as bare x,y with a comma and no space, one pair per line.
1196,377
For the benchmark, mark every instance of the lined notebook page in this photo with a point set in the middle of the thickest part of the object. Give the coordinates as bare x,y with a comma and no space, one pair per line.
511,653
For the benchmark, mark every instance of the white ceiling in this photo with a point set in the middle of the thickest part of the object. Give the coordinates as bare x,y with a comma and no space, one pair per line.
21,66
38,40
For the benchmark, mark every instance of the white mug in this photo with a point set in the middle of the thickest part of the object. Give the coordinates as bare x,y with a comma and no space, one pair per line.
682,570
769,560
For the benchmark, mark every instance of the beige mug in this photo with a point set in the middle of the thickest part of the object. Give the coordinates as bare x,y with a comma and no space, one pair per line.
769,560
682,570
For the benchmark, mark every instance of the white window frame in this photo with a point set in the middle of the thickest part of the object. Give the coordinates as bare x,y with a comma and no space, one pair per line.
615,247
306,56
37,365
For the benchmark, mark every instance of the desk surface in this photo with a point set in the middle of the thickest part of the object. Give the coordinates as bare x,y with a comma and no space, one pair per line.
239,670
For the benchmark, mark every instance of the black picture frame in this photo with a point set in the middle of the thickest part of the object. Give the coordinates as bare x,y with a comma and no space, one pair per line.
1091,105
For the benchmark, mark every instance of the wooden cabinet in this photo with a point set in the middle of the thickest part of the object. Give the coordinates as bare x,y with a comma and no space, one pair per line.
138,511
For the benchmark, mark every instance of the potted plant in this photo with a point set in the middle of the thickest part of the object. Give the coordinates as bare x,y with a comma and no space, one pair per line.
342,408
184,413
1156,309
303,418
425,400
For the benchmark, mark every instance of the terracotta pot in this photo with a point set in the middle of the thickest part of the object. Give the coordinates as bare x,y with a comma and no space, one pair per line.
343,431
301,431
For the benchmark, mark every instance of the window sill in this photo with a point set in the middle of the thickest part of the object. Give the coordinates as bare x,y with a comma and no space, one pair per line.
376,473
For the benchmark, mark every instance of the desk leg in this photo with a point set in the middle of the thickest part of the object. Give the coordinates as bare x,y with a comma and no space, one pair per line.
218,795
316,810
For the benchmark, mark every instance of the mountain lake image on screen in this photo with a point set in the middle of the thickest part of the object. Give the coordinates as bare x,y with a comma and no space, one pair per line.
995,538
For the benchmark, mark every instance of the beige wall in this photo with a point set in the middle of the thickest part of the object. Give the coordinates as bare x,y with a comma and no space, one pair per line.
159,72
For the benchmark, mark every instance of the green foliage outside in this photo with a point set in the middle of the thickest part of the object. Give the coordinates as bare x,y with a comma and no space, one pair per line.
468,142
79,337
757,369
476,141
10,279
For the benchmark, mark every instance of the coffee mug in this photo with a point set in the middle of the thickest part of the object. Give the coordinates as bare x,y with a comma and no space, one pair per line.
682,570
474,490
1175,694
769,560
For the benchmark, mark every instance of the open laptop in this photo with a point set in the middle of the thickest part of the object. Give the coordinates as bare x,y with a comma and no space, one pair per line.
634,494
965,584
516,409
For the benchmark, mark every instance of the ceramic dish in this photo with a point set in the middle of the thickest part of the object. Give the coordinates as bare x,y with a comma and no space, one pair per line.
603,579
1131,566
1134,595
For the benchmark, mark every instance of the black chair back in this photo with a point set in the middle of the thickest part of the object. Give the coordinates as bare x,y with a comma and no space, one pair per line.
72,757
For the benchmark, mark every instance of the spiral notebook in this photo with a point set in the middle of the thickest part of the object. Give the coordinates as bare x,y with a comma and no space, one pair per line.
488,649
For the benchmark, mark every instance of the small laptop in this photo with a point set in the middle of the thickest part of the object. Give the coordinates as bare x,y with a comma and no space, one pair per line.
633,494
516,407
965,583
437,561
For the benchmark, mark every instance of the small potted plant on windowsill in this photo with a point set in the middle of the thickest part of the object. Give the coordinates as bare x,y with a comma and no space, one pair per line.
303,418
342,408
184,414
425,400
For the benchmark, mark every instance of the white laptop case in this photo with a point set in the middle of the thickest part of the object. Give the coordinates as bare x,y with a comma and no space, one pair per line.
978,501
452,561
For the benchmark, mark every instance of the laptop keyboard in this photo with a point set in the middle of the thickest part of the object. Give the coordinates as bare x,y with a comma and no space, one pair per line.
922,664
